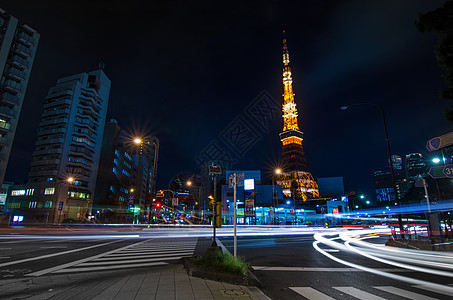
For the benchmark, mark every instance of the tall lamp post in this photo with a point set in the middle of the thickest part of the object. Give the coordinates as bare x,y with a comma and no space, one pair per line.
345,107
148,142
58,208
275,203
190,185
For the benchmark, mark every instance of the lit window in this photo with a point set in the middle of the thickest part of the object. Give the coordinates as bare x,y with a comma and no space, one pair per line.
18,193
49,191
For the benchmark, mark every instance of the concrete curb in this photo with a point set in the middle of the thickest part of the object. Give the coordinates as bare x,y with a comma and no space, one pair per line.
247,280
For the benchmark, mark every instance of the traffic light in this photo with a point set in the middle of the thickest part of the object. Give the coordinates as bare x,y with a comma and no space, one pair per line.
158,205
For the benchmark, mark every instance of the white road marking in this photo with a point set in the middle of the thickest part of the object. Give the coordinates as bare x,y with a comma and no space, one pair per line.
358,293
311,293
54,247
433,289
54,254
53,269
306,269
116,257
403,293
101,268
106,263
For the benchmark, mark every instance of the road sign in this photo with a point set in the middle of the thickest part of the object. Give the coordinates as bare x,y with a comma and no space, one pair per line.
448,171
60,206
249,205
437,172
440,142
174,201
240,177
215,170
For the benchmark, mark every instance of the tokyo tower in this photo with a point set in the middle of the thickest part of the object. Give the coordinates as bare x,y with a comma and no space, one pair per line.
295,179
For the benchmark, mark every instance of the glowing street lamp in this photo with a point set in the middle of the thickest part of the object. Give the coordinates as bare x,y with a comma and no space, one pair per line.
436,160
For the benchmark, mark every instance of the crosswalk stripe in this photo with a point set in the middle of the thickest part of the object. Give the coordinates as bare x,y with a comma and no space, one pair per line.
110,267
114,258
311,293
104,263
403,293
358,293
446,290
155,250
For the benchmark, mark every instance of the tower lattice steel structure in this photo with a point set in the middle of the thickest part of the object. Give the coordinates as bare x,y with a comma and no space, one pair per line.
296,179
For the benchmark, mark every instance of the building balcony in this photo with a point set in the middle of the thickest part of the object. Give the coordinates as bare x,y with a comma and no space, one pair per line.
10,99
22,50
7,112
4,141
25,39
50,131
53,122
47,173
47,152
57,102
5,126
44,162
16,74
55,112
49,141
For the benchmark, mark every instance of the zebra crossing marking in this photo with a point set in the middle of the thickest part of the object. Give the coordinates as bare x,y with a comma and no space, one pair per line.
141,254
403,293
313,294
358,293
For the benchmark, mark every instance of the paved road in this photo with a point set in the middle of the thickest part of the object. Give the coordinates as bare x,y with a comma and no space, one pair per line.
291,268
37,256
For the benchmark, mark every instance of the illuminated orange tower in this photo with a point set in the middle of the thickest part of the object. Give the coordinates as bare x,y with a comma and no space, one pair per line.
295,176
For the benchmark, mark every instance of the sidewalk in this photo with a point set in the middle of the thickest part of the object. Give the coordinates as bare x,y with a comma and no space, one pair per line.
169,282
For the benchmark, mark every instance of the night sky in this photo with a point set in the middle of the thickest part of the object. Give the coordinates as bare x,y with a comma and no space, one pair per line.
184,70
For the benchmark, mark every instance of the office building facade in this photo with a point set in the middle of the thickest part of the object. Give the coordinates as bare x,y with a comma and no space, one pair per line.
126,176
18,43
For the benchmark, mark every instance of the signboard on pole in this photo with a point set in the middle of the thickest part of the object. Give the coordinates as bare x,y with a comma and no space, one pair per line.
249,206
440,142
60,206
240,179
174,201
448,171
436,172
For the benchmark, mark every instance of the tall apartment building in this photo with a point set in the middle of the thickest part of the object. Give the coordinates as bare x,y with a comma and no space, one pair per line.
63,172
18,43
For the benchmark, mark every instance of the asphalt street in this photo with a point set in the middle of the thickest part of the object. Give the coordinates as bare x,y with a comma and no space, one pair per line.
289,267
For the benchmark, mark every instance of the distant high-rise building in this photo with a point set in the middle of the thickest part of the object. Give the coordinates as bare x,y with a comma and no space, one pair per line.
65,161
295,178
18,43
415,167
126,176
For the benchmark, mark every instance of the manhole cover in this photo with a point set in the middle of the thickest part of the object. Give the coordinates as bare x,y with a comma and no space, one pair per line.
235,293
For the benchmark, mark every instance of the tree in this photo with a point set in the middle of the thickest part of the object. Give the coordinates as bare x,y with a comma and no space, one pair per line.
440,21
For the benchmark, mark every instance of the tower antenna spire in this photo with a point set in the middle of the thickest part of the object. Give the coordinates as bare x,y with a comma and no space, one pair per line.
293,158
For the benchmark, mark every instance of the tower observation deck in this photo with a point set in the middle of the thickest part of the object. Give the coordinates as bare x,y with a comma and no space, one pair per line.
295,178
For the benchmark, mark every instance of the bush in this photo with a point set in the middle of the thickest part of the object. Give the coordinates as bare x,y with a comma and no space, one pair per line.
219,261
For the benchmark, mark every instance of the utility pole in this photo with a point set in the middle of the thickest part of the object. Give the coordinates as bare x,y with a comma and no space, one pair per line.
214,170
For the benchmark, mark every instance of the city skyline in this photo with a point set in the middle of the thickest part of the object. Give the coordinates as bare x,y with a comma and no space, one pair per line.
184,84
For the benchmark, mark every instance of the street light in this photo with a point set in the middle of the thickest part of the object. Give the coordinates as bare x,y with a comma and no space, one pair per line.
277,172
142,142
345,107
190,185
